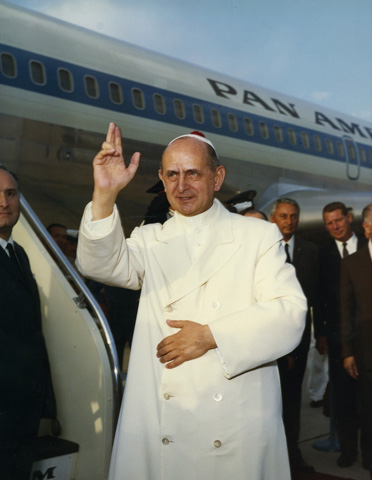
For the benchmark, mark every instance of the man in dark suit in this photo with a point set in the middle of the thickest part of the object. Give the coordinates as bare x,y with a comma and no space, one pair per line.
26,394
356,329
337,220
304,257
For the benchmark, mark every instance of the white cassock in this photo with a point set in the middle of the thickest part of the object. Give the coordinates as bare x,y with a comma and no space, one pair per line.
218,416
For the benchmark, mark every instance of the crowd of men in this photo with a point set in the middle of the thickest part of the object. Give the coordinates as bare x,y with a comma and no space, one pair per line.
223,327
335,301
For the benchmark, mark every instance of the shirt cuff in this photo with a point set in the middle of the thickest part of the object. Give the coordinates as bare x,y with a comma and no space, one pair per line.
98,228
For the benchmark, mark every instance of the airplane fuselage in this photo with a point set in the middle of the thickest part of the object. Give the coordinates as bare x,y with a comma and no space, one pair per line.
55,76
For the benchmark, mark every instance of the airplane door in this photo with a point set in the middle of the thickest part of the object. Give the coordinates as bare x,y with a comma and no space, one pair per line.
352,158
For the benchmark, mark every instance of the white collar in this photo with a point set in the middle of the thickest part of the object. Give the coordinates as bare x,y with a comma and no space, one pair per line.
197,221
352,244
4,243
353,239
290,243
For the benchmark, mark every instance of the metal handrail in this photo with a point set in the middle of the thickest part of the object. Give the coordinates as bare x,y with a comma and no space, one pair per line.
84,299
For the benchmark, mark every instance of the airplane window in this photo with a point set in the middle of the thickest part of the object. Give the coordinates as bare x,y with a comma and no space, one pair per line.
264,131
91,86
305,140
179,108
292,136
362,155
159,104
318,143
278,133
370,157
138,98
329,145
198,113
115,92
216,118
65,80
37,72
8,65
233,124
248,126
340,149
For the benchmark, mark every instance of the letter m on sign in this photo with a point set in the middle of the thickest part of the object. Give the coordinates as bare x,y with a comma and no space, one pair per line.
38,475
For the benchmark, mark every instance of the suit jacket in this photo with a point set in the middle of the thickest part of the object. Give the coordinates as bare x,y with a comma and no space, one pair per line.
329,290
305,260
197,420
26,393
356,307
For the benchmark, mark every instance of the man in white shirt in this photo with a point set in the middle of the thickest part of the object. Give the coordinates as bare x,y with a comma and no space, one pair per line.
218,306
26,392
303,255
338,222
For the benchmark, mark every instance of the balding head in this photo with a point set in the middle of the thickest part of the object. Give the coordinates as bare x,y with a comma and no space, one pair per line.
209,152
189,176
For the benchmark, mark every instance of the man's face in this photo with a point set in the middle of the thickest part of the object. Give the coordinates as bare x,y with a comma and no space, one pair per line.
9,204
286,217
188,180
338,225
59,235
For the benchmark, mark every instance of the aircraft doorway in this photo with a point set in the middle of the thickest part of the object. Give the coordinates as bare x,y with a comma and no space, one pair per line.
352,158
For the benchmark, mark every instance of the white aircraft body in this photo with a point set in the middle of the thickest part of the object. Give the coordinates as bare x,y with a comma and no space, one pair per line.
60,86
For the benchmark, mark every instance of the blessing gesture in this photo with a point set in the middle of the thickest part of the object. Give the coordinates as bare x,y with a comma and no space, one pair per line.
110,173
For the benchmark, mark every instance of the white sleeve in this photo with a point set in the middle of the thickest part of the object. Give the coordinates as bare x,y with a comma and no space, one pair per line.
269,328
103,253
97,228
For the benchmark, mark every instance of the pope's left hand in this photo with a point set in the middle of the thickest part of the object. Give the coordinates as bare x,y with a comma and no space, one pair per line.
192,341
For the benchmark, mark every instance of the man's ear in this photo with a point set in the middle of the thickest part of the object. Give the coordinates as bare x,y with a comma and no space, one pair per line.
219,177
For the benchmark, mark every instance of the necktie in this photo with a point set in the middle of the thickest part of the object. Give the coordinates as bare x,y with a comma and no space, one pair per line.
13,256
345,252
286,248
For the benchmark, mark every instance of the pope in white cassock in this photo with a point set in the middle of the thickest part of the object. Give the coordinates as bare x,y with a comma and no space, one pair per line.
218,306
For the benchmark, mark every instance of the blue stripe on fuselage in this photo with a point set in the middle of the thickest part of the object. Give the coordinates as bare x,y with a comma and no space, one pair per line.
51,87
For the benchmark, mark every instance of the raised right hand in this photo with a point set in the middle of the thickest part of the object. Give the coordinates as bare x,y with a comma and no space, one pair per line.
110,173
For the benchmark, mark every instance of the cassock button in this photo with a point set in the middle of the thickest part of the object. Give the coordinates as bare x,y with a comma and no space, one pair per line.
165,441
166,396
169,308
217,443
217,397
216,304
